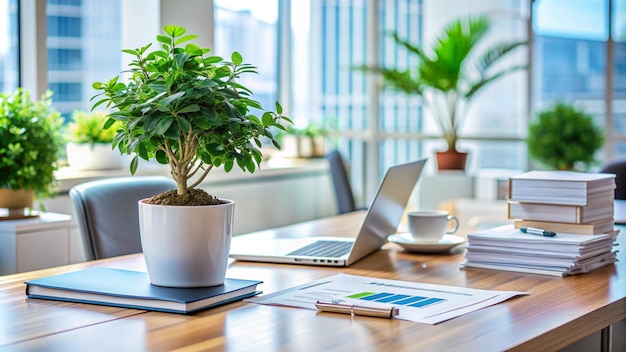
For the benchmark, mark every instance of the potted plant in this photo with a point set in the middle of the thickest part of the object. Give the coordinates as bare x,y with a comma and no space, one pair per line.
564,137
184,108
448,75
307,141
30,140
89,143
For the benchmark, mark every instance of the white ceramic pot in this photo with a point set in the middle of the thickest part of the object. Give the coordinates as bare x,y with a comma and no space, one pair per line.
98,156
186,246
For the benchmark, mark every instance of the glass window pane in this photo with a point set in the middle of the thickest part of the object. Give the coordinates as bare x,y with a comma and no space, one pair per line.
9,48
234,23
581,19
570,54
619,77
84,46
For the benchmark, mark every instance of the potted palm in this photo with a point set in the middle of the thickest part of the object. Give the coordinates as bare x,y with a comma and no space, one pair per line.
564,137
449,74
184,108
30,141
88,144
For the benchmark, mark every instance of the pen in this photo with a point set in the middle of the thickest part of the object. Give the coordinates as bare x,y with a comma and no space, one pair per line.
539,232
357,309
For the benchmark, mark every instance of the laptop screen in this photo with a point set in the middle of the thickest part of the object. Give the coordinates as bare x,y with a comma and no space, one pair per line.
387,208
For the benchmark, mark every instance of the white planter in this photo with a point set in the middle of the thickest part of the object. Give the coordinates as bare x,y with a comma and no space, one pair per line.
186,246
98,156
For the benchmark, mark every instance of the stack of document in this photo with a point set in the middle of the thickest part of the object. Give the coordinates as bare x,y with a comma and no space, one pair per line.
507,248
563,201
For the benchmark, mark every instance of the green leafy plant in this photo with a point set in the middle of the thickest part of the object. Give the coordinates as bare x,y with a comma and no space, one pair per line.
448,75
310,130
563,137
30,141
187,109
88,127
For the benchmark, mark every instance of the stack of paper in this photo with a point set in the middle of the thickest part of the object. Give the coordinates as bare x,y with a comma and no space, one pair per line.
507,248
563,201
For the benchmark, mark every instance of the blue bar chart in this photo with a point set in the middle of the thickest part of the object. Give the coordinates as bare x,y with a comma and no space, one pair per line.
397,299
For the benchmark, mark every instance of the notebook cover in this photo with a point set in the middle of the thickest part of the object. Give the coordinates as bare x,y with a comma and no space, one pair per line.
132,289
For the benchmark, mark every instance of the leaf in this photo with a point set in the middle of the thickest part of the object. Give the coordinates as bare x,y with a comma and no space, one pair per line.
212,60
189,108
142,151
163,123
279,108
268,119
184,124
172,133
133,165
254,119
164,39
193,49
228,165
216,149
250,164
98,103
180,59
174,31
236,58
168,100
185,38
161,157
108,123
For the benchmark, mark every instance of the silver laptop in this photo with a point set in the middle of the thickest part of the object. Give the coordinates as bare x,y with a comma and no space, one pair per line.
382,219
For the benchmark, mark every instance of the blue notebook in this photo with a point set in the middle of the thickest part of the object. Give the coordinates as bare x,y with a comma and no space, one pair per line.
132,289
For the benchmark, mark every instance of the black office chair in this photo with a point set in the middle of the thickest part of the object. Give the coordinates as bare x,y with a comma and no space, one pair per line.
341,183
619,169
107,213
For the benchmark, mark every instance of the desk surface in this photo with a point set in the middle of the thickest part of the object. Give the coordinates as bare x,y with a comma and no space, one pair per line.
557,312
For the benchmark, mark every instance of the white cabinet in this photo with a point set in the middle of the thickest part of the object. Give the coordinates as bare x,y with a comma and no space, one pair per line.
35,243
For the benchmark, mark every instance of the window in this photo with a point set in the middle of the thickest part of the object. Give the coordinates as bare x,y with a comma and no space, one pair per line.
9,48
66,92
84,46
572,53
64,59
64,26
250,27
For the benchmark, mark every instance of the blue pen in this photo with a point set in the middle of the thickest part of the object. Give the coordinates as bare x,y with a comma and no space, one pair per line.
538,232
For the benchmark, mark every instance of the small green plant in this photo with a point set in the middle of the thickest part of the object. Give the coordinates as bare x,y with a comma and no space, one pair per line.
30,141
88,127
186,109
310,130
564,137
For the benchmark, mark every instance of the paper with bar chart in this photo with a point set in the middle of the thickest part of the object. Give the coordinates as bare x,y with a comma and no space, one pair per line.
418,302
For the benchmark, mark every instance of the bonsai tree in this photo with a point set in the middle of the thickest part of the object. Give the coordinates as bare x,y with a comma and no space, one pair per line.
30,141
563,137
187,109
88,128
450,72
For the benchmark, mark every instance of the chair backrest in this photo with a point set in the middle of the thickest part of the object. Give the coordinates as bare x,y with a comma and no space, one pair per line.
619,169
341,183
108,215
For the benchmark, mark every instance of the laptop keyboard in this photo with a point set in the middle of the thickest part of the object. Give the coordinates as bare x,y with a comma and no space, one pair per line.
328,249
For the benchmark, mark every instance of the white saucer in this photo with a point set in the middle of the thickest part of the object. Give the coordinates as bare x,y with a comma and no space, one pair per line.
406,241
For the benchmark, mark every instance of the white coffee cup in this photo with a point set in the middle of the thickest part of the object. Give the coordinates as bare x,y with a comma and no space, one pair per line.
431,225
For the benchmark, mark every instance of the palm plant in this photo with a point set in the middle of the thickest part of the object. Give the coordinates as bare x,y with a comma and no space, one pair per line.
450,73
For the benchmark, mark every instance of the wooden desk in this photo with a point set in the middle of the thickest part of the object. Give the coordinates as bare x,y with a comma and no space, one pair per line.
557,312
